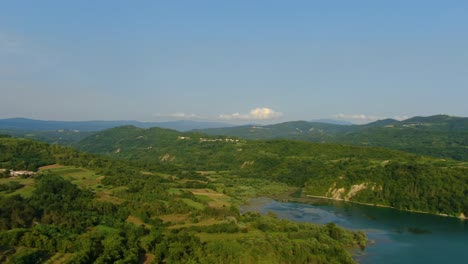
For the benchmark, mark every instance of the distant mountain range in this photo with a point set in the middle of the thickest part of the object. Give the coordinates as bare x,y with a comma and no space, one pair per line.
97,125
439,135
86,126
332,121
363,174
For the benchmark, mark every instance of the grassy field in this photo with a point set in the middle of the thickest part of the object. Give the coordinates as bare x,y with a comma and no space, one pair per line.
108,195
207,237
137,221
60,258
193,204
238,190
105,228
79,176
173,218
86,179
174,190
213,198
149,258
205,222
51,167
25,191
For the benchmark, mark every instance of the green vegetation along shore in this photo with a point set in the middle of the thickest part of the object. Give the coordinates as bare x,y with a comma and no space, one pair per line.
157,195
439,136
361,174
83,208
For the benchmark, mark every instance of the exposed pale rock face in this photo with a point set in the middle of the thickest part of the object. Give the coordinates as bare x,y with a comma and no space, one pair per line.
342,194
338,193
355,189
247,164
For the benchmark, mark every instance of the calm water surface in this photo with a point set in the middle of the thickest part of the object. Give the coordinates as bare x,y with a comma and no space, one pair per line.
399,237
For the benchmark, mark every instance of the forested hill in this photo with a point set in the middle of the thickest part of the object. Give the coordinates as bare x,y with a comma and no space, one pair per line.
169,197
70,132
438,136
83,208
362,174
87,126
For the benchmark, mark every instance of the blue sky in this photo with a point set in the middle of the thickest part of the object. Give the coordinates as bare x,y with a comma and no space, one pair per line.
233,61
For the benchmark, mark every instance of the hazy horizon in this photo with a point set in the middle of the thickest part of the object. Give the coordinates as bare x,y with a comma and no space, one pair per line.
227,123
233,62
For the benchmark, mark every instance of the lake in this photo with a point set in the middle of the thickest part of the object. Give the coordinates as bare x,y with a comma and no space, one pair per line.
397,236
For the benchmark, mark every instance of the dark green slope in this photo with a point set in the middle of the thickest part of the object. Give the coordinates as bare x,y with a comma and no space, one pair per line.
362,174
89,126
438,136
70,132
24,154
295,130
163,146
71,215
61,137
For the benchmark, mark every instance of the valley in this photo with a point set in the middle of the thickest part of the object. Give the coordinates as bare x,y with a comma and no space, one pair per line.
159,195
82,208
233,132
439,136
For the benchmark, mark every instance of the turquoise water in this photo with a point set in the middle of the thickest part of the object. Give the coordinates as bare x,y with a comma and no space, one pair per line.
398,237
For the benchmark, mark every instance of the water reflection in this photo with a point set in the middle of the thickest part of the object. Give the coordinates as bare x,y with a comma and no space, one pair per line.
400,237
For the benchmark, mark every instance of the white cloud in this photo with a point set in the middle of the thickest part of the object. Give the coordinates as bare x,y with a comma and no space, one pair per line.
260,113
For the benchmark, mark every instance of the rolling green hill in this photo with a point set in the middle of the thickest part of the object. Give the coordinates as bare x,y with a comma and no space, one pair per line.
362,174
84,208
61,136
89,126
438,136
166,196
70,132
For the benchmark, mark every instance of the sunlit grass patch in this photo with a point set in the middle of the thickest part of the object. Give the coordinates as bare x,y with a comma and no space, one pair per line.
59,258
193,204
73,173
137,221
25,191
203,198
149,258
174,191
25,181
105,228
79,176
208,237
213,198
173,218
107,196
205,222
51,167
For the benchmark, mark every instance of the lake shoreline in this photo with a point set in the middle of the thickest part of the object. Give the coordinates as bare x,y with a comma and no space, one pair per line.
461,217
303,198
397,235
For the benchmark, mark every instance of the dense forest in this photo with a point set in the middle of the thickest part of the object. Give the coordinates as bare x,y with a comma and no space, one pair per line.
83,208
156,195
438,136
362,174
62,136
